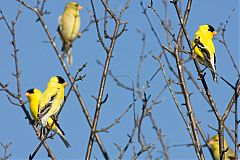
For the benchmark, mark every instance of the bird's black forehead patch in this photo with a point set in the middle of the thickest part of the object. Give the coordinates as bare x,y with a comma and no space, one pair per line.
211,29
30,90
60,80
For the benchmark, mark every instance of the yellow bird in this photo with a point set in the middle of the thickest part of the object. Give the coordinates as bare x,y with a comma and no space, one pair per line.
52,99
34,95
204,48
68,29
214,142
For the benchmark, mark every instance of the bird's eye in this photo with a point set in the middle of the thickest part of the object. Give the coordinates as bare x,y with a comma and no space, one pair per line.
76,5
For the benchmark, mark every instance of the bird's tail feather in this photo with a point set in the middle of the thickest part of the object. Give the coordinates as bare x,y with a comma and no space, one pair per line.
214,75
213,71
65,141
61,135
69,56
67,50
212,67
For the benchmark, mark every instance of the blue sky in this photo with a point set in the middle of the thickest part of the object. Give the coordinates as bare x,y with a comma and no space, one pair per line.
38,63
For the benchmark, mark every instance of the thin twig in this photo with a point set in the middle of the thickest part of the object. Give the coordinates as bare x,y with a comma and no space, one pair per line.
141,60
6,156
236,134
17,76
174,97
145,101
109,52
117,120
196,140
128,144
144,149
223,41
160,137
58,53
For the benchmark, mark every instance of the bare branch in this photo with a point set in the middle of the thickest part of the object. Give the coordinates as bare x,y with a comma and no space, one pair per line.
160,137
117,120
58,53
4,88
17,76
196,141
145,101
129,142
97,27
174,97
223,41
109,52
144,149
141,60
6,156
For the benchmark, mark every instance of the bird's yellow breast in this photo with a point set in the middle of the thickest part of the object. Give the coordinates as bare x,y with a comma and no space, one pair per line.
34,108
206,41
70,25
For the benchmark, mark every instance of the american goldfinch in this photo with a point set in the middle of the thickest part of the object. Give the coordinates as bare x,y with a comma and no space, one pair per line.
52,99
204,48
214,142
68,29
34,95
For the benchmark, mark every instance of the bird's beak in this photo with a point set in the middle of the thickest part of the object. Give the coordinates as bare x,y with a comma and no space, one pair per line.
65,84
79,7
210,142
214,33
27,94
